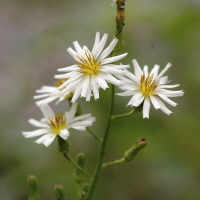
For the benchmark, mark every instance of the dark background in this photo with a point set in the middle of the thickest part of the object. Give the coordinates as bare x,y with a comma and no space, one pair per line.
34,35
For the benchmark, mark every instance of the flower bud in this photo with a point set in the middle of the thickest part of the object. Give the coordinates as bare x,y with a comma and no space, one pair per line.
32,184
80,161
59,192
132,152
86,187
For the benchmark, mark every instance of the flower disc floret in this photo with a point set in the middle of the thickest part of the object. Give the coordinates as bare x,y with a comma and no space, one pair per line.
57,122
88,65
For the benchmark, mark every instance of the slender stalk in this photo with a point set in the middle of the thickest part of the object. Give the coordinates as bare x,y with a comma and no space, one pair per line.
124,115
102,151
75,165
119,28
94,134
122,160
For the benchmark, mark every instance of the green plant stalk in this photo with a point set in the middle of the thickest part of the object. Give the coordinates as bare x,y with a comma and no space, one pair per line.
94,134
124,115
75,165
122,160
129,154
119,28
102,152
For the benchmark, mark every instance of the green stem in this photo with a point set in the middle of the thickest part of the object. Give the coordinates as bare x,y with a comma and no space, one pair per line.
122,160
75,165
102,152
94,134
124,115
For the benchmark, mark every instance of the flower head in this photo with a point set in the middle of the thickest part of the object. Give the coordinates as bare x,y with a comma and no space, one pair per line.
145,87
92,69
51,93
57,124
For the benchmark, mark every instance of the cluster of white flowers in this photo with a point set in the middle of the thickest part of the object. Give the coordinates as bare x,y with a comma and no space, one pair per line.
93,70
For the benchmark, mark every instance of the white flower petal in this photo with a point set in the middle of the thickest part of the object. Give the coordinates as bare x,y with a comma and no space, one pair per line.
163,71
85,84
35,133
155,70
138,71
44,138
112,79
101,82
48,141
40,96
72,111
146,108
163,107
96,43
170,102
78,48
137,99
95,88
154,102
64,134
100,46
46,100
68,69
77,93
46,110
37,123
72,53
108,50
113,59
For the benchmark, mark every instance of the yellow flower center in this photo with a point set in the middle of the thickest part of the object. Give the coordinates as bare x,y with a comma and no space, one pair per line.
148,85
57,123
88,65
60,82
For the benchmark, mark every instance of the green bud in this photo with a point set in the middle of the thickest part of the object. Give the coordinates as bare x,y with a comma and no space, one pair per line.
59,192
132,152
32,184
63,145
80,161
86,187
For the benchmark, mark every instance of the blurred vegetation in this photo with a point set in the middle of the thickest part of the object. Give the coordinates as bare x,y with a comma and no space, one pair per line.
35,34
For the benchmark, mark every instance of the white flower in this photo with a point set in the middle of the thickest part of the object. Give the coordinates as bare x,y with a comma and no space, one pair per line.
147,87
92,69
51,93
58,124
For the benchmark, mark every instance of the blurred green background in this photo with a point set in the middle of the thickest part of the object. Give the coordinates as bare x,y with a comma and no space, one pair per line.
34,36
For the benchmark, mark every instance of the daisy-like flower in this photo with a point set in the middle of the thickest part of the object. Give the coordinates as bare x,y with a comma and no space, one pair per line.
57,124
51,93
145,87
92,69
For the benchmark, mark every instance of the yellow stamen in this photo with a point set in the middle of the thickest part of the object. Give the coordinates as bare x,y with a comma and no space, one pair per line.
88,65
148,85
57,123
